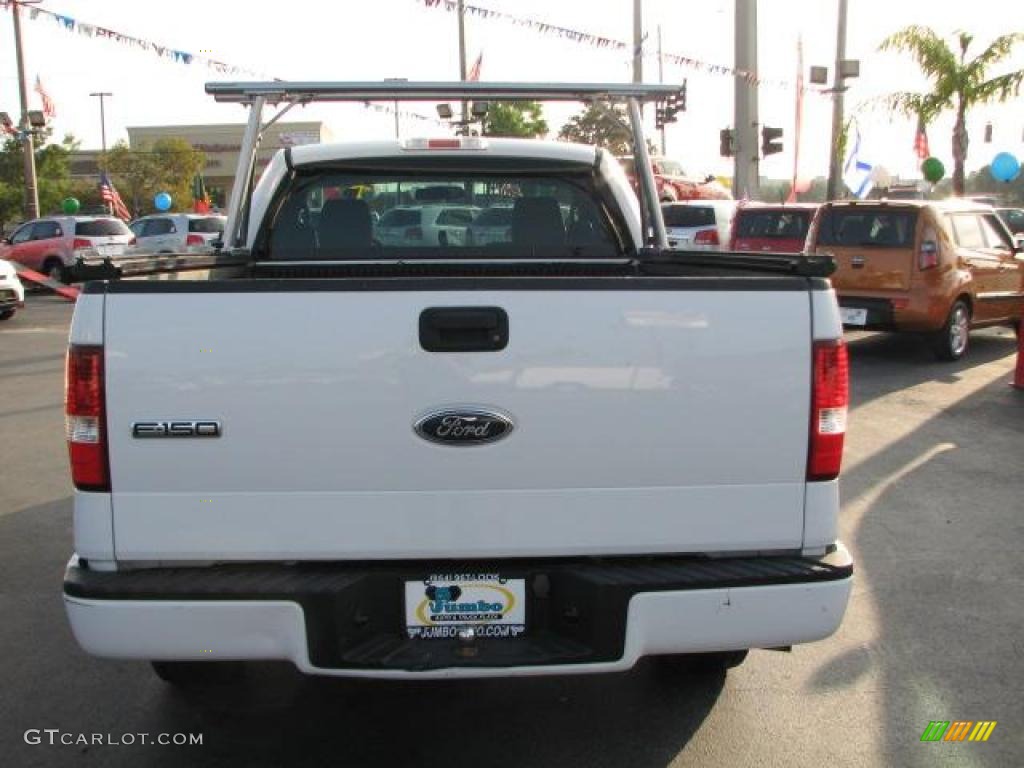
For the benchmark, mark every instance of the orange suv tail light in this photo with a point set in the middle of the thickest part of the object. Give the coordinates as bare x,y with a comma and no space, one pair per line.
928,256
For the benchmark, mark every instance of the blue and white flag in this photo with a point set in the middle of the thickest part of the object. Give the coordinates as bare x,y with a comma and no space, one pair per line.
857,172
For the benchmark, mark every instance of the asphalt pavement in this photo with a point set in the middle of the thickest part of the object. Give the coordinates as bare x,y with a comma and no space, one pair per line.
933,511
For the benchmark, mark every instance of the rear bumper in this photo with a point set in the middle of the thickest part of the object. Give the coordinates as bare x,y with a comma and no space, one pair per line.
342,621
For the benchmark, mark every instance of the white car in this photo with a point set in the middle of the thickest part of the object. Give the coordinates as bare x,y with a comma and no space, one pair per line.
493,225
425,225
177,232
701,225
12,292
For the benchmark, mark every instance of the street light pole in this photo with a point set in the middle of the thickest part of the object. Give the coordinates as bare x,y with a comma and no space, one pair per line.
103,137
661,79
462,58
103,119
835,161
28,145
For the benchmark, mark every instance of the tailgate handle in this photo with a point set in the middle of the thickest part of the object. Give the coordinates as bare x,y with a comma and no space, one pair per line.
463,329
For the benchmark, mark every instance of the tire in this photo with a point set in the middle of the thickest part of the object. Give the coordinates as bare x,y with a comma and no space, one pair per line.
951,342
7,314
55,270
719,661
194,674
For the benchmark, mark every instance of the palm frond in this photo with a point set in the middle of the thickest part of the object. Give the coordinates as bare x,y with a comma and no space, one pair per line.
930,51
925,106
997,50
999,88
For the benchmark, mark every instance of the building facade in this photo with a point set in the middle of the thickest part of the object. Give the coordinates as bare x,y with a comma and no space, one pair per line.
220,143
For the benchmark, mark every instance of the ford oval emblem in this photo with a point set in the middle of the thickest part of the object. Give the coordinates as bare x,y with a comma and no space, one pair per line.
464,426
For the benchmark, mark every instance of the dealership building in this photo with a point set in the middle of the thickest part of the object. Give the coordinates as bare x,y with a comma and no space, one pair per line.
220,143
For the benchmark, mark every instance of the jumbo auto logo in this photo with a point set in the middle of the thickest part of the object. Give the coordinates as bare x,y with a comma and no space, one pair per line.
488,602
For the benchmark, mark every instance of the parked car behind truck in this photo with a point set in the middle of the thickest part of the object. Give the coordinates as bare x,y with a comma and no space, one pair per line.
407,459
53,243
934,268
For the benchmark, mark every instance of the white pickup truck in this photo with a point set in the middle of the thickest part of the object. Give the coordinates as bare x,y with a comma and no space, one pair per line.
553,454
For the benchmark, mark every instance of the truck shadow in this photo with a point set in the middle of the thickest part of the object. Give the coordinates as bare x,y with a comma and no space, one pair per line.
900,361
277,716
938,576
638,718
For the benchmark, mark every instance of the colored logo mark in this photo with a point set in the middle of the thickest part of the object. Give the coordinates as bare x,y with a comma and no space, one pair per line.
959,730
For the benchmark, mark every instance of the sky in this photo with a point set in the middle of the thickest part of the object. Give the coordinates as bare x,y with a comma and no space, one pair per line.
377,39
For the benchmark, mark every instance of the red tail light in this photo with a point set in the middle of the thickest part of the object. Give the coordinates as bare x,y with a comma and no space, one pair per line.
830,398
85,418
928,256
194,240
133,241
706,237
414,233
80,243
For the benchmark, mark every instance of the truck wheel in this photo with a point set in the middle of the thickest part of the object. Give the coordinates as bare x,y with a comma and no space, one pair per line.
950,343
54,270
192,674
7,314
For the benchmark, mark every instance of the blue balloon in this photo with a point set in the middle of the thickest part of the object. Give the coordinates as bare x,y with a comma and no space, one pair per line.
1005,167
162,201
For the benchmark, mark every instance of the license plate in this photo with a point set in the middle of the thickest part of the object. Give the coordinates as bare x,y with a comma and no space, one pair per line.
443,604
110,250
853,316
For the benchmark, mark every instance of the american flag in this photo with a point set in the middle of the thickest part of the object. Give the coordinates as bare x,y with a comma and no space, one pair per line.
474,72
921,141
110,196
49,108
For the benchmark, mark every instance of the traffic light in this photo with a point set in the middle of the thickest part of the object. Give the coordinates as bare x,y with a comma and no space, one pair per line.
726,137
771,141
665,113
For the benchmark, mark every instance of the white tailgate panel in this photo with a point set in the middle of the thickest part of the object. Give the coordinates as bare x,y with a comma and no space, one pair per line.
645,421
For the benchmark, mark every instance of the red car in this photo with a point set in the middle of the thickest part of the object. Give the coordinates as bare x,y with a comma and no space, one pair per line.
769,228
51,244
674,185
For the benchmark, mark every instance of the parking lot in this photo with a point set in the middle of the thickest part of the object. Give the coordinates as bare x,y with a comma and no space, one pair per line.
932,510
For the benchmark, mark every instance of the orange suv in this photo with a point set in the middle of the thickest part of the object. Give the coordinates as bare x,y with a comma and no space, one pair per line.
937,268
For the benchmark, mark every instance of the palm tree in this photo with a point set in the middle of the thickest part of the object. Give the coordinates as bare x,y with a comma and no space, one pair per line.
957,83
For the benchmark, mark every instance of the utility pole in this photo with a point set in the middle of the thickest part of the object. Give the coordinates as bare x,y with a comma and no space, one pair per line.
746,173
838,89
638,41
103,120
462,60
661,79
27,144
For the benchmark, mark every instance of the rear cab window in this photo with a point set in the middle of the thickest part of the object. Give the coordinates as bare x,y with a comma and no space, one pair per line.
211,226
680,216
101,228
338,214
772,225
862,227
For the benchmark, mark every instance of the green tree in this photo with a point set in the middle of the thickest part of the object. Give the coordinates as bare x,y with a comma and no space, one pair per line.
602,124
515,119
53,175
957,83
167,166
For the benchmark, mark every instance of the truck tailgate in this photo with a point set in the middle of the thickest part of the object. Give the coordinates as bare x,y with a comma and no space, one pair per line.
667,420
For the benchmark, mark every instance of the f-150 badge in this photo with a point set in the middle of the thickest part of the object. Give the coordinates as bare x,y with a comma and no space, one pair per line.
464,426
204,428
